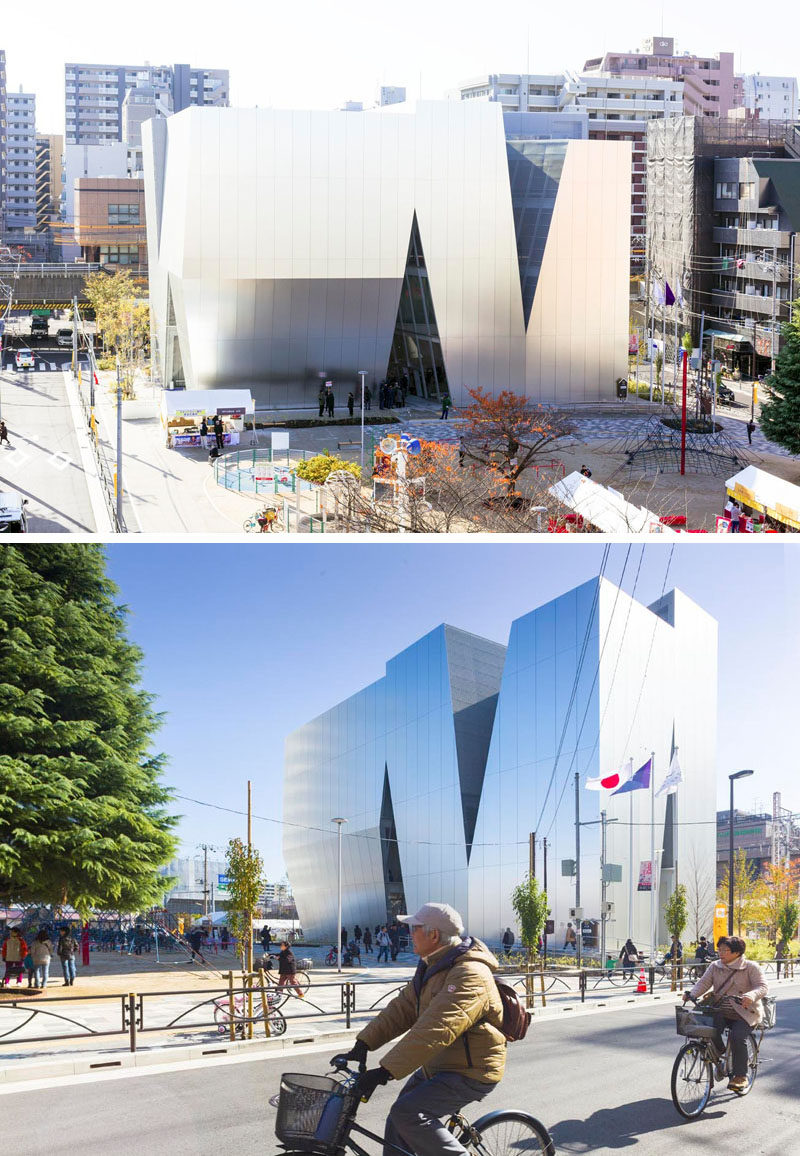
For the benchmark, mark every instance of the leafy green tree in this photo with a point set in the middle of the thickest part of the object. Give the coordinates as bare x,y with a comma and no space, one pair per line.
123,319
530,907
82,806
245,870
788,917
321,466
780,406
748,890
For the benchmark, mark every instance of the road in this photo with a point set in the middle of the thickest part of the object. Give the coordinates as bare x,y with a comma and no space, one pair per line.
43,461
600,1082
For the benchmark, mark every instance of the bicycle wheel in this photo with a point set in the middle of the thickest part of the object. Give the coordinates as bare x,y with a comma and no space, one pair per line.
250,526
277,1023
509,1133
752,1065
691,1080
303,980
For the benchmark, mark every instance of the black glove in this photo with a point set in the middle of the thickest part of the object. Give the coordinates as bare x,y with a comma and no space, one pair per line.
367,1082
358,1053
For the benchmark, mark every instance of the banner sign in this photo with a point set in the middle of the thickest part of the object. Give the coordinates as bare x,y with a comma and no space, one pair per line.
645,875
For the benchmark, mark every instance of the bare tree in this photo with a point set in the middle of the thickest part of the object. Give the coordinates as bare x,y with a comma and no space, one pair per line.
700,886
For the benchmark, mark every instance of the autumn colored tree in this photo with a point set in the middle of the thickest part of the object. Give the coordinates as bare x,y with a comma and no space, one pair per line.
508,432
748,891
780,888
123,319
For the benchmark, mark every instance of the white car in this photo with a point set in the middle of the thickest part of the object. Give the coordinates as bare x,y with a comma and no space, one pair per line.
13,515
24,359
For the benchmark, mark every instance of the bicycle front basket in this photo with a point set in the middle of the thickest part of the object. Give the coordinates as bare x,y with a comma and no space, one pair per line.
694,1023
313,1113
769,1007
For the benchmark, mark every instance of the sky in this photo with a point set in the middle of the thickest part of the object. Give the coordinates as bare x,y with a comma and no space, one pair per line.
244,643
318,54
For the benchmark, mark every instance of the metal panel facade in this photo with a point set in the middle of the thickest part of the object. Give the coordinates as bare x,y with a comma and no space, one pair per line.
281,243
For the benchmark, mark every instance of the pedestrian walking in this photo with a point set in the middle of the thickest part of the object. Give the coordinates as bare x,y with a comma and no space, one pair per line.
628,957
351,401
41,953
287,969
384,943
219,433
330,402
570,939
445,405
453,1048
4,434
196,944
67,949
367,941
357,933
736,515
394,939
508,940
321,400
781,952
224,937
343,938
13,952
367,397
751,429
204,433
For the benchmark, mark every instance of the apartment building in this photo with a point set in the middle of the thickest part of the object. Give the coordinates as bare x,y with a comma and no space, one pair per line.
771,97
20,166
95,95
2,139
49,161
617,108
710,86
723,211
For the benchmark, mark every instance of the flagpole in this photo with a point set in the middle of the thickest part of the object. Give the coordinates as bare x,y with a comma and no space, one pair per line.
652,857
675,823
630,857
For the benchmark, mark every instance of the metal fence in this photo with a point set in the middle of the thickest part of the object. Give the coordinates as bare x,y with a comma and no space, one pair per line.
106,472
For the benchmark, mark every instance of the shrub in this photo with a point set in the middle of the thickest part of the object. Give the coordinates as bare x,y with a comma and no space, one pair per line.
318,468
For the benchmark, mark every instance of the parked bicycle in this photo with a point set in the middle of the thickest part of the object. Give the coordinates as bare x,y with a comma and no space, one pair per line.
699,1062
263,521
318,1114
276,1018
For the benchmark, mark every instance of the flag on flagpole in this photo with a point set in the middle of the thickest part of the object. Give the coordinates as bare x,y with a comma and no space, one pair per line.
658,293
674,777
609,782
638,782
669,296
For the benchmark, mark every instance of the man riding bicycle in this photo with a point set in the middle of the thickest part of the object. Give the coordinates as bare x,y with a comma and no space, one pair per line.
450,1016
733,975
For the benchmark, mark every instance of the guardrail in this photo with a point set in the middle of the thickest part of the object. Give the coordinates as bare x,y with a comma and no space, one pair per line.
356,997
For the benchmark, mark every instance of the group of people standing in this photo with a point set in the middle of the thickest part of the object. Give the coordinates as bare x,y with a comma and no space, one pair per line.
216,429
386,938
34,959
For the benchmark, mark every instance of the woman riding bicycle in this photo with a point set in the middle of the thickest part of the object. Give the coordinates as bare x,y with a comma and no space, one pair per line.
729,976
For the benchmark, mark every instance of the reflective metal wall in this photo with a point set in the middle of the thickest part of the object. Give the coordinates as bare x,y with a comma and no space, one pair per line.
478,746
278,241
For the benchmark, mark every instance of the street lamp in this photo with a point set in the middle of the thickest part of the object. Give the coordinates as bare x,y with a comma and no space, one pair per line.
362,373
340,823
735,775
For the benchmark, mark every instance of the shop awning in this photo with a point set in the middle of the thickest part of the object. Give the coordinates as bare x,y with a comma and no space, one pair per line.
767,494
605,508
733,338
205,402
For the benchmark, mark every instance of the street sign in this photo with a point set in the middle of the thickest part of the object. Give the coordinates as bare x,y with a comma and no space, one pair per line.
720,921
223,883
612,873
567,866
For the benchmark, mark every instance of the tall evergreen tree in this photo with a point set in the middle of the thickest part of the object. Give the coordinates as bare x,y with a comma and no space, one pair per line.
780,408
82,807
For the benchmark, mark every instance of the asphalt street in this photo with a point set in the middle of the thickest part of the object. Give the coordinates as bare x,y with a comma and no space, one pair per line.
43,461
599,1082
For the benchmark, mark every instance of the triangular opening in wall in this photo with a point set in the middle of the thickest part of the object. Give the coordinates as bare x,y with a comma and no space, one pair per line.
392,871
416,358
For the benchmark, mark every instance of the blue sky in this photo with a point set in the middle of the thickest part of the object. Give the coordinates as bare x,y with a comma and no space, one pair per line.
243,643
318,54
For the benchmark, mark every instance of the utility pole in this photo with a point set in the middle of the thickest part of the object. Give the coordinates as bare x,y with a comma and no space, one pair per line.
532,855
249,851
205,881
74,336
544,853
579,929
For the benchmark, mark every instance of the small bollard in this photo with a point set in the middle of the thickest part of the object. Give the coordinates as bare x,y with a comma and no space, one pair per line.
132,1019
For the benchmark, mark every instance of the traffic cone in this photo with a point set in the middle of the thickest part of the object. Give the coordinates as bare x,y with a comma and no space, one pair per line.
641,986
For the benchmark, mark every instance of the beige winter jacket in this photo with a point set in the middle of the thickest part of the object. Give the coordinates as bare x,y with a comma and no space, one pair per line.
451,1014
41,951
742,977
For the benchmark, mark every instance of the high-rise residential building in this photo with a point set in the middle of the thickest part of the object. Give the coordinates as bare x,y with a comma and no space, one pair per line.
444,765
710,86
279,273
2,140
49,162
141,104
616,108
95,94
723,212
770,97
20,169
